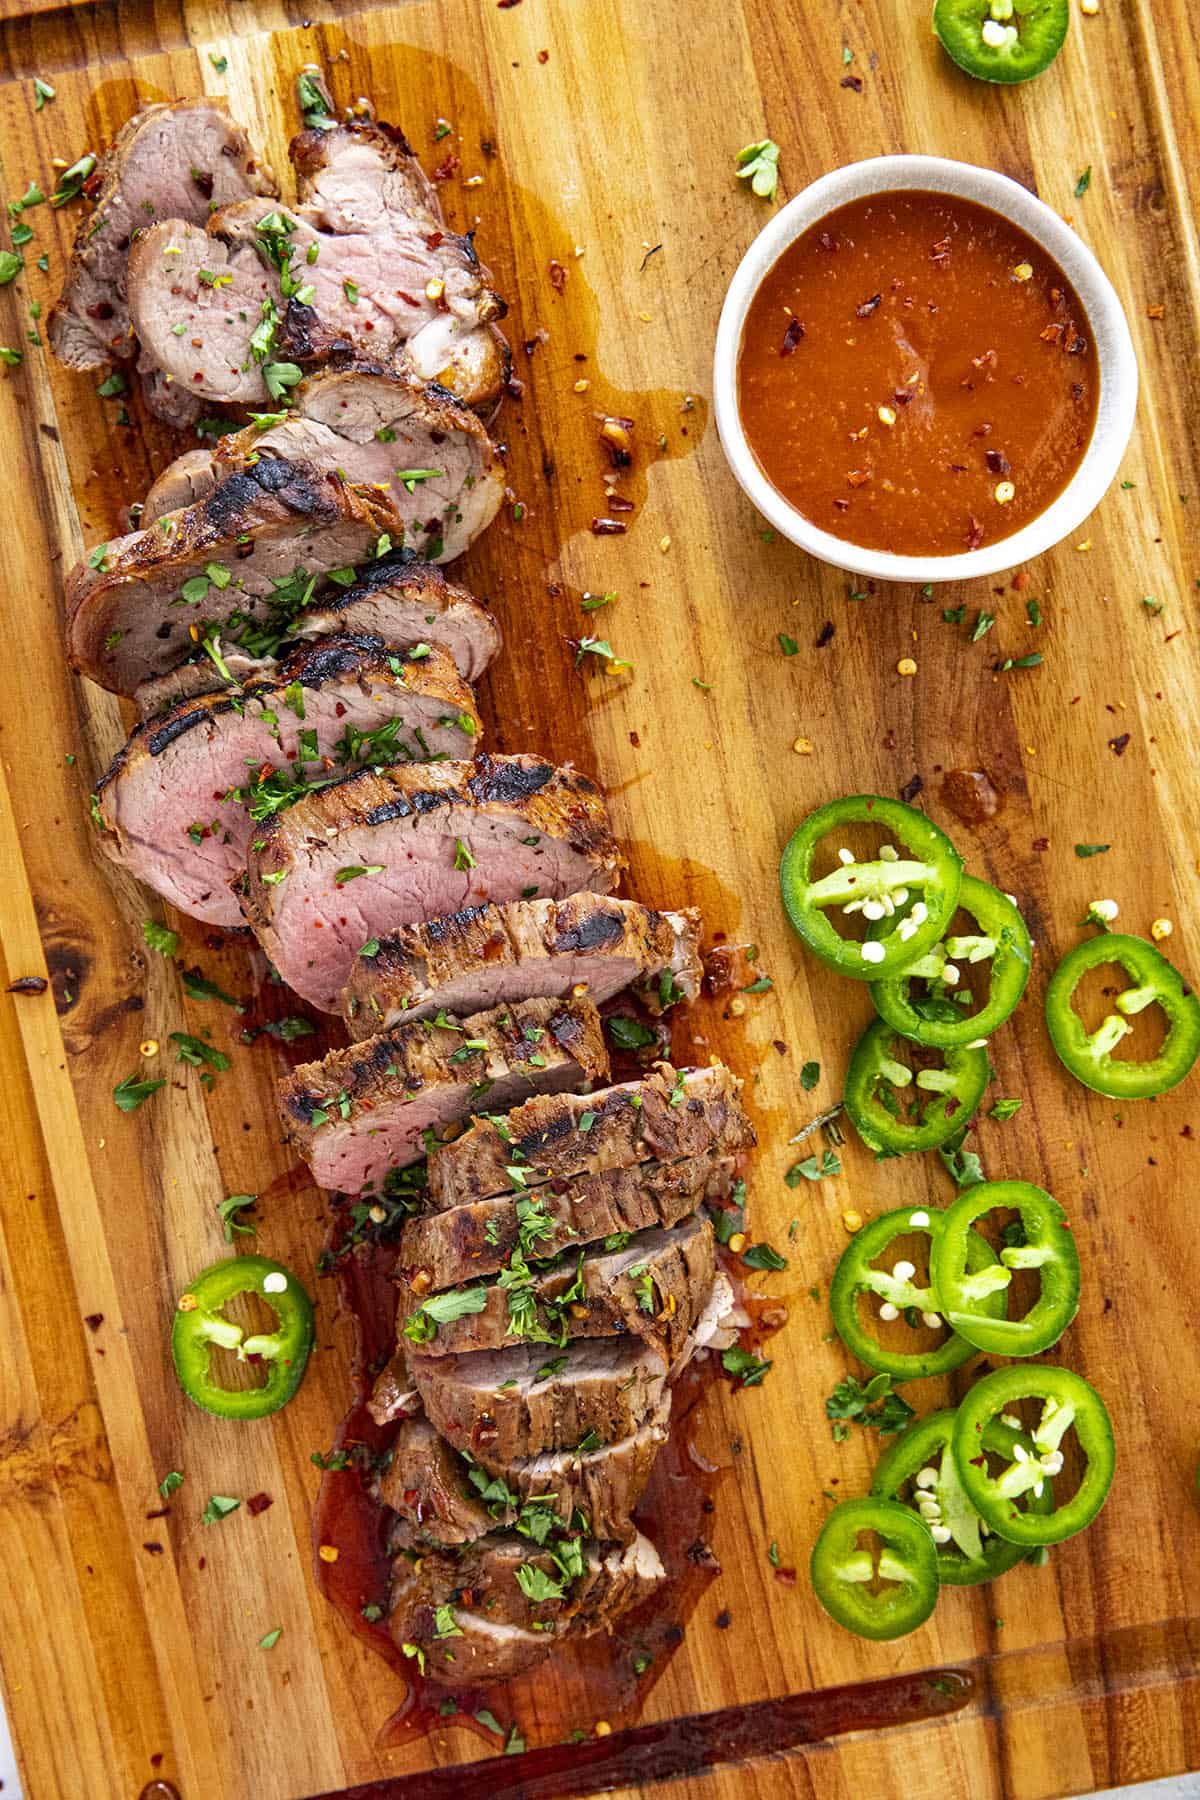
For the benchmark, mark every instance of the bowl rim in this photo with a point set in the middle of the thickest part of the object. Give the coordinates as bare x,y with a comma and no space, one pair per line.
1116,361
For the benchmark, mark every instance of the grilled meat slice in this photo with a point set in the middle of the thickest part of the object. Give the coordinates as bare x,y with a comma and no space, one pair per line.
655,1288
426,1485
271,534
498,1631
603,1483
180,802
466,1242
405,604
500,1406
425,450
368,1108
667,1115
448,836
261,287
491,954
174,160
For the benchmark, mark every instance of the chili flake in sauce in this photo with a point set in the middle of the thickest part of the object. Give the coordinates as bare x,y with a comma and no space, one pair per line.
917,375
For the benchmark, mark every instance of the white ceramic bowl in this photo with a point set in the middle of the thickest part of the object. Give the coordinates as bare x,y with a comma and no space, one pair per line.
1109,331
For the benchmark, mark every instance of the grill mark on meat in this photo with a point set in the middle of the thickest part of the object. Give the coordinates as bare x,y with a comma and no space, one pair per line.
508,782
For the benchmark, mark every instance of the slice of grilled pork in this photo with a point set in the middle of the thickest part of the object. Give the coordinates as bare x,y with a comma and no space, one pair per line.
183,798
371,426
670,1114
498,1632
654,1288
500,1406
443,837
491,954
169,161
363,1110
248,556
405,604
443,1249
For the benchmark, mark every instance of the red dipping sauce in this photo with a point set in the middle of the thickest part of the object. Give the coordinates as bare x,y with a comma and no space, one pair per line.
917,375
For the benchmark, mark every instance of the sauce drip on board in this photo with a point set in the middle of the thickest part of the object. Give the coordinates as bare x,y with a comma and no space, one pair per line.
917,375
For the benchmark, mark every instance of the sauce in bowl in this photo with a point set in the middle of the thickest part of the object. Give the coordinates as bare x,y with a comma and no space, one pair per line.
917,375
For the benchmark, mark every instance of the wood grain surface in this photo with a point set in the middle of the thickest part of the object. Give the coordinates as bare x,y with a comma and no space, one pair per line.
604,129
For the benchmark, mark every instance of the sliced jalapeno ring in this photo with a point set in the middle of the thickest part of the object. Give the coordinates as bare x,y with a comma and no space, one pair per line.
200,1323
1048,1247
843,1572
927,866
968,1551
1067,1400
1002,40
1002,940
935,1103
1089,1056
897,1291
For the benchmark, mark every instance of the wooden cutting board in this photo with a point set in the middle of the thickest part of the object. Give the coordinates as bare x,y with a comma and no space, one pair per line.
604,136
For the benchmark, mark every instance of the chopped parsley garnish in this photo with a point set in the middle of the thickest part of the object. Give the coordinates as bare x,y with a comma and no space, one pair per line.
749,1369
874,1406
763,1256
130,1093
759,164
160,937
171,1480
195,1051
629,1034
813,1170
229,1210
219,1507
1091,849
810,1074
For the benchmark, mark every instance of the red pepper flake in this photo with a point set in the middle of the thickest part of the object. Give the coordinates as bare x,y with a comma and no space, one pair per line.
903,396
974,533
1020,580
867,307
558,276
997,462
911,789
1119,745
791,337
449,165
93,1321
27,984
608,527
786,1577
1042,843
505,4
827,241
854,82
825,635
154,1549
543,56
258,1503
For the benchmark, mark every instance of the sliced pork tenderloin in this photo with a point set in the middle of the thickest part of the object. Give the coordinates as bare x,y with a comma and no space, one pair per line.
369,425
491,954
499,1631
426,1485
264,287
271,534
371,1107
405,604
500,1406
669,1114
182,799
175,160
445,837
655,1288
465,1243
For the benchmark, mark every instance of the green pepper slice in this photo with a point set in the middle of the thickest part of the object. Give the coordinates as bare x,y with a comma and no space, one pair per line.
1002,40
931,870
1002,940
200,1323
1067,1399
893,1127
898,1293
1089,1055
968,1551
843,1573
1048,1247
